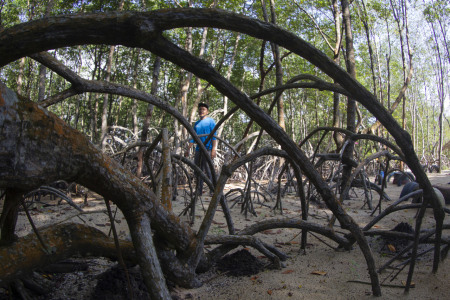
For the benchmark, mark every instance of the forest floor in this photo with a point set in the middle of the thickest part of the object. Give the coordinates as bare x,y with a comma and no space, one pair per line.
318,272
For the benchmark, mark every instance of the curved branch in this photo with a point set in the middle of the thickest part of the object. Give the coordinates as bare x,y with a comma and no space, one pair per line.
67,240
236,240
354,137
321,86
283,223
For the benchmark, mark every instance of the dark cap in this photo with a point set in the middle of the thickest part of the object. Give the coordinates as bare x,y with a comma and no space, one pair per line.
203,104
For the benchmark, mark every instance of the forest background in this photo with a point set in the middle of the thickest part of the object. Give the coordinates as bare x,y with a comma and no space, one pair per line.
397,49
401,54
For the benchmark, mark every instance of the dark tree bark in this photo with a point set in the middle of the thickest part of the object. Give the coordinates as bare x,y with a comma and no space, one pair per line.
8,219
66,240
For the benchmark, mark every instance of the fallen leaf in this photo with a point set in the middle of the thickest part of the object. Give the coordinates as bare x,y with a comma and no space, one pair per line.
294,242
391,248
287,272
254,278
269,292
321,273
413,285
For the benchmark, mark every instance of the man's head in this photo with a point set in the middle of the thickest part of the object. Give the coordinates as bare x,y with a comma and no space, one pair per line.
203,110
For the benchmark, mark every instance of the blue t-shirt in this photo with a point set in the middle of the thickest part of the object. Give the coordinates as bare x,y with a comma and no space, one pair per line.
204,126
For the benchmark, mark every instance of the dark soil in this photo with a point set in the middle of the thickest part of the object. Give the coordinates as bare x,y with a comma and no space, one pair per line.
399,243
240,263
112,285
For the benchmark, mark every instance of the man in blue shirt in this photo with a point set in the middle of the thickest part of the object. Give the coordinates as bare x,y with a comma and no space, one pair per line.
203,126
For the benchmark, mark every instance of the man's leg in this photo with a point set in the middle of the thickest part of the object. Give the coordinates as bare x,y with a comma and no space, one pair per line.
206,169
198,162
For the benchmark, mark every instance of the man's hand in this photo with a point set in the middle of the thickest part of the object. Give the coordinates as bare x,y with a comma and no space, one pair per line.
213,150
186,154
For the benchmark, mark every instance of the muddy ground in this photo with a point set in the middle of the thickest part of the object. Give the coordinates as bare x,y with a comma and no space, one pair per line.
319,272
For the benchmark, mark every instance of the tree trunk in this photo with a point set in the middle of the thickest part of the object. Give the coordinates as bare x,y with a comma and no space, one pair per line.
347,155
228,76
104,128
440,89
338,139
364,20
148,115
106,104
43,69
185,82
278,71
278,66
166,178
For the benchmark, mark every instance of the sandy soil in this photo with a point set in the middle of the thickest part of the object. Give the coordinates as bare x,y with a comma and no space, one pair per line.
319,272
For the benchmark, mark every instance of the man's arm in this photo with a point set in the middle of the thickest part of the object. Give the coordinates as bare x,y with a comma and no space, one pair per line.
213,150
214,141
